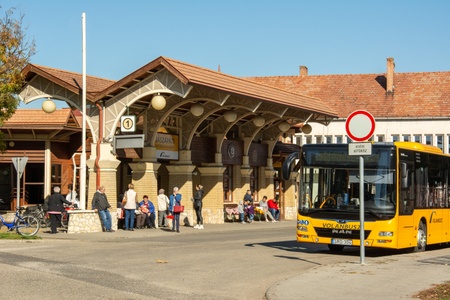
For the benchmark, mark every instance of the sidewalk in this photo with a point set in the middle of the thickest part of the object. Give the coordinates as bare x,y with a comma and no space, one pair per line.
123,234
387,277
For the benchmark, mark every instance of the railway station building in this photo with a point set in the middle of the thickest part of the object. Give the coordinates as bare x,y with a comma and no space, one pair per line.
167,124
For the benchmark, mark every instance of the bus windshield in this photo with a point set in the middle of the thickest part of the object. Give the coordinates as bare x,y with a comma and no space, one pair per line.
330,183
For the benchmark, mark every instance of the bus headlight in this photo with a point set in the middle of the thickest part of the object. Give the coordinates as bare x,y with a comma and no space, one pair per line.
302,228
386,233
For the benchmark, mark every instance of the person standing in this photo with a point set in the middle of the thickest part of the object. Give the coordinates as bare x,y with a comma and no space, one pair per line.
130,198
198,204
175,200
72,196
248,196
55,208
100,204
163,205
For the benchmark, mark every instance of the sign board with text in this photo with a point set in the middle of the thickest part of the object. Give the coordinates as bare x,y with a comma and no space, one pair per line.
360,149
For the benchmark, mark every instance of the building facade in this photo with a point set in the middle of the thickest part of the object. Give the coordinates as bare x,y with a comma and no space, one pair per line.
220,131
171,124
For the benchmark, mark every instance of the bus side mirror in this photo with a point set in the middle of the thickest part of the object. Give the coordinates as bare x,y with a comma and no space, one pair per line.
403,175
288,165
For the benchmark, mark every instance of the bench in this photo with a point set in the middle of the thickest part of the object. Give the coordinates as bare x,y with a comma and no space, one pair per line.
231,213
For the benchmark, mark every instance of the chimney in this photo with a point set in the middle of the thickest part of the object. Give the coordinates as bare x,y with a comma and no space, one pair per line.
303,71
390,75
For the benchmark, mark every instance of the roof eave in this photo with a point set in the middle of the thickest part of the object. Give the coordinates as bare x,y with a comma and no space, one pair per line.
160,61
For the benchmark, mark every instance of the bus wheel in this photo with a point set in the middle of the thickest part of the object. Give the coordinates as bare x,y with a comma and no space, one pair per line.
335,248
421,238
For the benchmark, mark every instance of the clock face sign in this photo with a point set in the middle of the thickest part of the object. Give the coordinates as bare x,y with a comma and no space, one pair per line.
231,151
128,123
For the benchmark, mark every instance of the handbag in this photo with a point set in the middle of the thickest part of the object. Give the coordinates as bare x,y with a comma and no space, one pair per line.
178,209
124,200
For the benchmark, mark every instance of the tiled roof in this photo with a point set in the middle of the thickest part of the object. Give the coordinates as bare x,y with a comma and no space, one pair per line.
98,88
416,95
258,90
37,118
70,80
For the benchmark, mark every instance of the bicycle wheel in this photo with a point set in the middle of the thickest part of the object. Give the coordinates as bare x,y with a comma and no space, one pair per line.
27,226
64,220
47,221
44,220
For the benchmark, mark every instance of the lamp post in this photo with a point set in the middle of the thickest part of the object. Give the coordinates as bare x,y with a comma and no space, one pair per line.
83,135
49,106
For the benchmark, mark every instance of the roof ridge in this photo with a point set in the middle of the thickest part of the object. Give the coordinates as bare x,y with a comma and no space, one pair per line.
338,75
239,78
70,72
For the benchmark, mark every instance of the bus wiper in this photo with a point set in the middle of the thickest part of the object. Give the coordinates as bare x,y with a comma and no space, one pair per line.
371,212
316,210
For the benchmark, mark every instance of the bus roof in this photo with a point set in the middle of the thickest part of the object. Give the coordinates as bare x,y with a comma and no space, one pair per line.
418,146
404,145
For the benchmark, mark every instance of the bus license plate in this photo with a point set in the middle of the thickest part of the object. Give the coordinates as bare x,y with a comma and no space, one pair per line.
341,242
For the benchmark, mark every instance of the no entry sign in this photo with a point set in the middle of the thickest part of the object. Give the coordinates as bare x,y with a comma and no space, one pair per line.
360,125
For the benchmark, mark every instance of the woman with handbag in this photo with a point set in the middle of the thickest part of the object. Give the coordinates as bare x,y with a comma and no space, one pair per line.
176,208
129,204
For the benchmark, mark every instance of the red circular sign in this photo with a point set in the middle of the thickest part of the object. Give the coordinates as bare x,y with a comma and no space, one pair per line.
360,125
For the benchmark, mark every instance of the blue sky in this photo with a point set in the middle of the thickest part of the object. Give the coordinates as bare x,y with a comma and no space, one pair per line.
246,38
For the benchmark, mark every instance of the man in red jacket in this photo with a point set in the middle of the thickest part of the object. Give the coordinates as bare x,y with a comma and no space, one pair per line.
274,209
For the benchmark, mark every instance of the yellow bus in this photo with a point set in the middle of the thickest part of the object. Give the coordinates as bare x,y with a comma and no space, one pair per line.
406,195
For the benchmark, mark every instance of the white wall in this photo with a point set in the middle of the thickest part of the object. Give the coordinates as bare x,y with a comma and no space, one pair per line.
431,130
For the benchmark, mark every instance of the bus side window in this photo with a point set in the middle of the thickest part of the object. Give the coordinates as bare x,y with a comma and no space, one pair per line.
404,175
407,190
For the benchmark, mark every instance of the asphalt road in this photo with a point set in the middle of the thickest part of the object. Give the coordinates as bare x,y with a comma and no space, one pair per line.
227,261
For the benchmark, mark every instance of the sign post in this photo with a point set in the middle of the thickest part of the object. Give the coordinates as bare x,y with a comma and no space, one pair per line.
19,163
360,126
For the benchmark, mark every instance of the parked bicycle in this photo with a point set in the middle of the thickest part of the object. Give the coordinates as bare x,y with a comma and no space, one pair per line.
39,213
44,219
65,217
25,225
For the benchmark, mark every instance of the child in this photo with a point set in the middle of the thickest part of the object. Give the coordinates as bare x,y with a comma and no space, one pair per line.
249,210
241,211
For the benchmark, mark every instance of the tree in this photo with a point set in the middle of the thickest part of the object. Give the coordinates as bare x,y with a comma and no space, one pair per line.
15,54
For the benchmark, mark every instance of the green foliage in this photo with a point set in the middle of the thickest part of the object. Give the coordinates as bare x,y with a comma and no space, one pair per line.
16,236
15,53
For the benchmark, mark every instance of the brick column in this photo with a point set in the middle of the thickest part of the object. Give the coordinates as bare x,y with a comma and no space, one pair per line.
144,178
181,176
244,181
291,197
212,181
107,166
